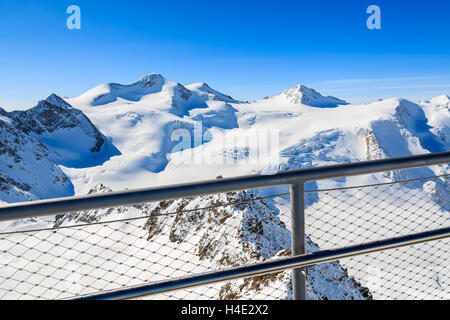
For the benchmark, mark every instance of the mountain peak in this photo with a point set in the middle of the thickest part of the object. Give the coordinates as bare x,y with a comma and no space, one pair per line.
301,94
205,86
151,79
215,95
58,101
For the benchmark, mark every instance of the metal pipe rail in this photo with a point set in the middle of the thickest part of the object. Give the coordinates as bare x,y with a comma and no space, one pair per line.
122,198
273,266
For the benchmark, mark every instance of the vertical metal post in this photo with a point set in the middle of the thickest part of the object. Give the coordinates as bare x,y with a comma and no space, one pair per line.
298,238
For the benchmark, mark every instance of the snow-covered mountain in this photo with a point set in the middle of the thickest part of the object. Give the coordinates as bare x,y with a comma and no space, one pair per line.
25,172
143,119
66,131
157,132
301,94
36,141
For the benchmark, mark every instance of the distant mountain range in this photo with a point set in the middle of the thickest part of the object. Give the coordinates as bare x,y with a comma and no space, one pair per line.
127,136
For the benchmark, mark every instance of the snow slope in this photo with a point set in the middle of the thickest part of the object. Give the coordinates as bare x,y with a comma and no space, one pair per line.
389,128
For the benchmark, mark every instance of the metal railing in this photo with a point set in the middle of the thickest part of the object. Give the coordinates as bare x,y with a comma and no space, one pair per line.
17,243
271,267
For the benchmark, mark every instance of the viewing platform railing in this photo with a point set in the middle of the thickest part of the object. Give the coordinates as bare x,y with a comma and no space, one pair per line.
391,239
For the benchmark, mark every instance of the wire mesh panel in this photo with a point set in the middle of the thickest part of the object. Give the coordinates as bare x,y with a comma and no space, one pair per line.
341,217
93,251
416,272
89,252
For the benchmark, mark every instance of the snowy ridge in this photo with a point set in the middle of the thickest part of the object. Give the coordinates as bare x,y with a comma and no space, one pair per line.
208,93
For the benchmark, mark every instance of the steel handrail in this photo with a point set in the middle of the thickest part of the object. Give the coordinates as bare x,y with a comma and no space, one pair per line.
271,267
138,196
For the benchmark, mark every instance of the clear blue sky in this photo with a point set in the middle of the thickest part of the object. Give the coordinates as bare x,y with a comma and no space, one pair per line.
244,48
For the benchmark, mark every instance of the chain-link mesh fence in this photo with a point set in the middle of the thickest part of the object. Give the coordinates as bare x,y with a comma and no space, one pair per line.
348,216
89,252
